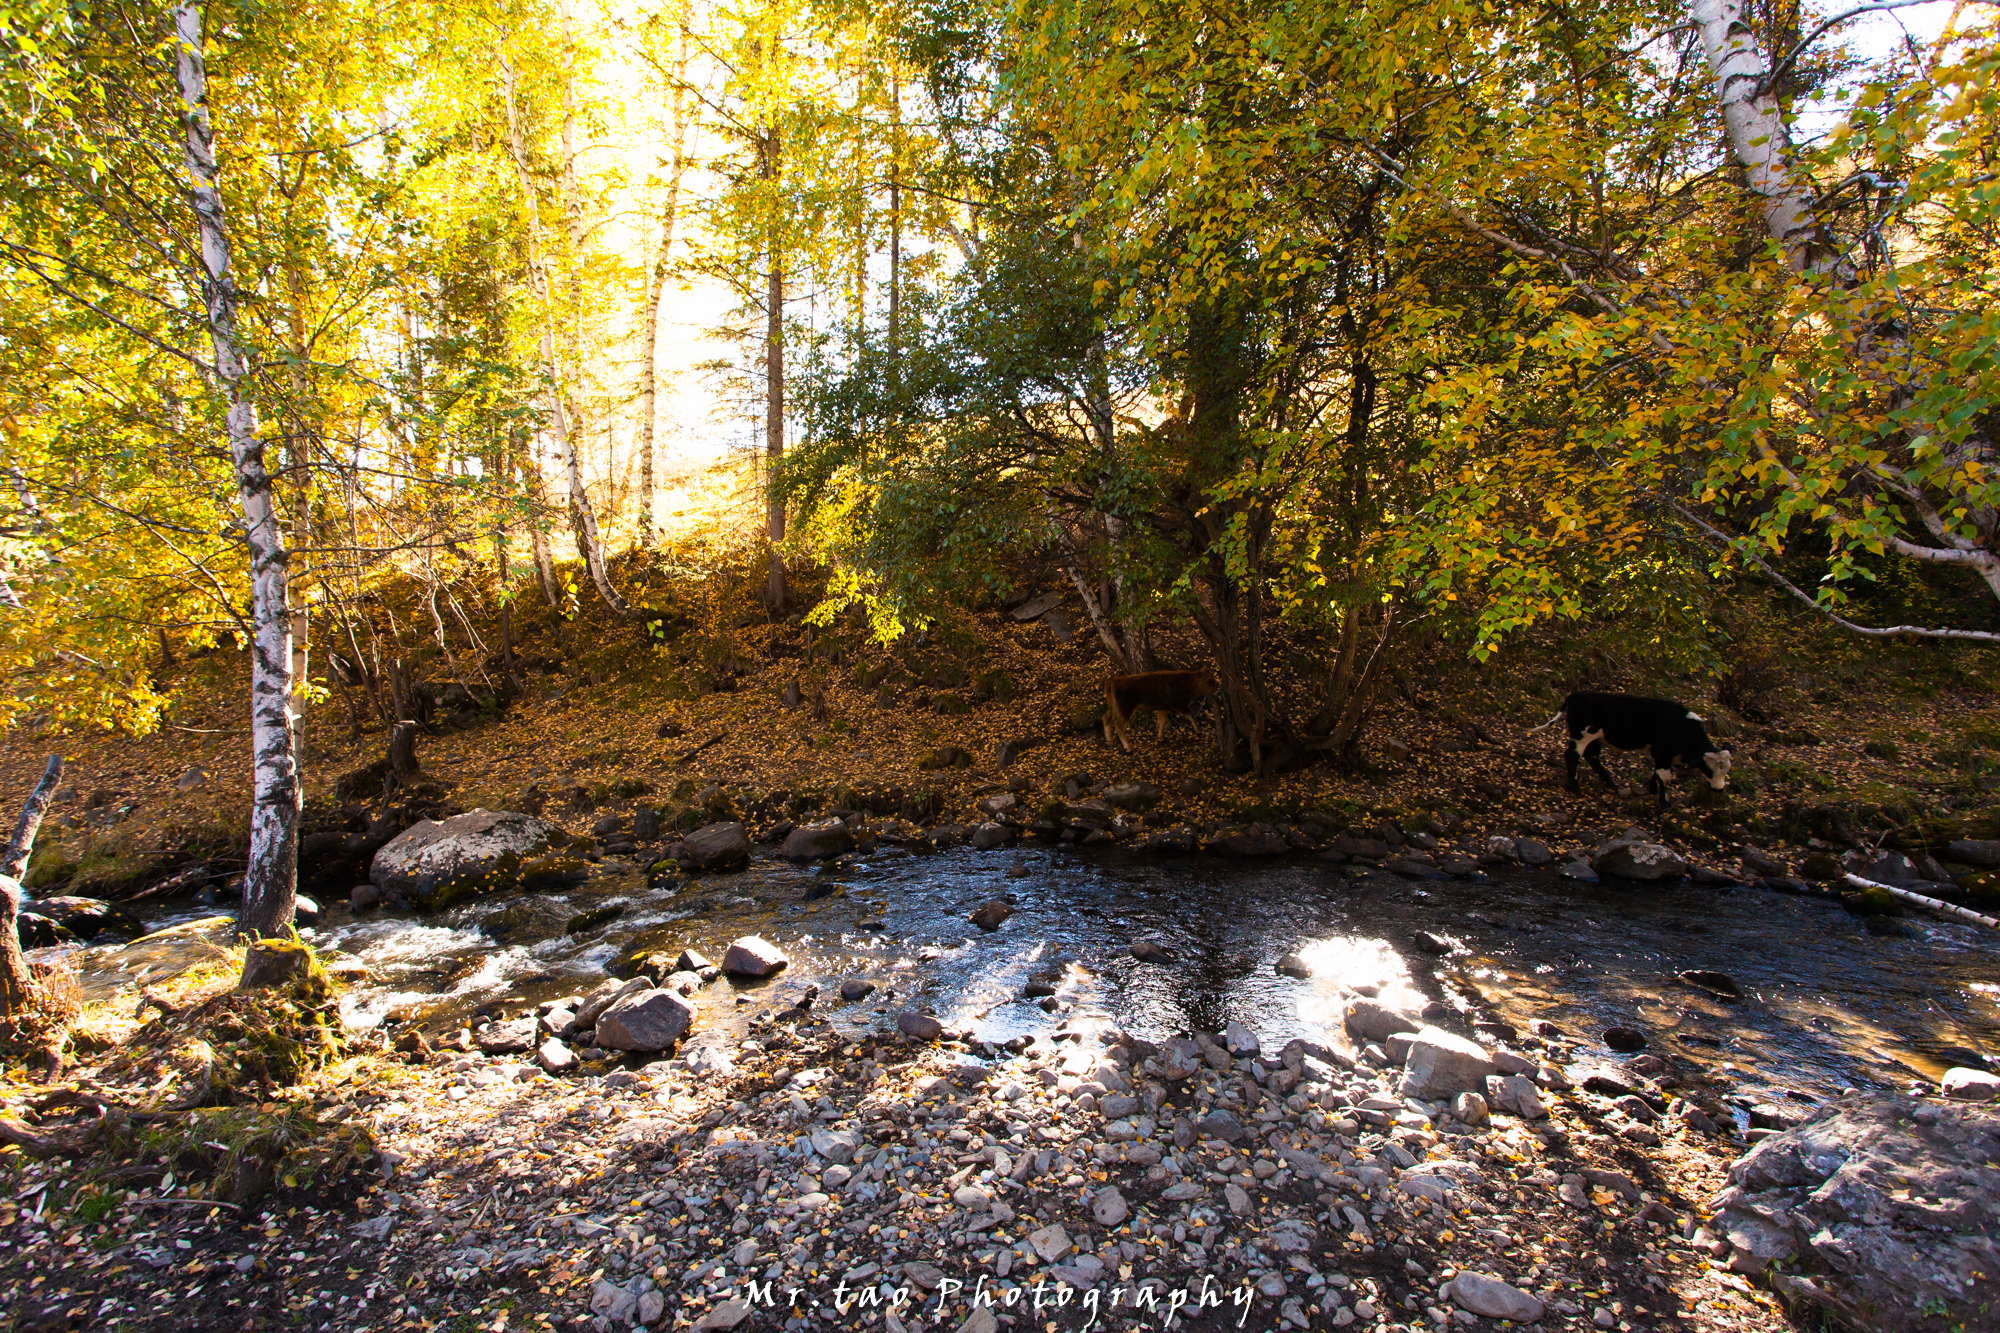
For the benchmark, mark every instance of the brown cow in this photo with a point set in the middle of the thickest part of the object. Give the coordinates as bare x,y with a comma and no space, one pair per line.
1162,691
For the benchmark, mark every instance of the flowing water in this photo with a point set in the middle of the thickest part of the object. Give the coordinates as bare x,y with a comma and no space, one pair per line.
1825,1004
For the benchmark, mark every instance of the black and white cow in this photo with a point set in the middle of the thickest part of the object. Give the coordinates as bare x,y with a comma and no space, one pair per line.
1630,722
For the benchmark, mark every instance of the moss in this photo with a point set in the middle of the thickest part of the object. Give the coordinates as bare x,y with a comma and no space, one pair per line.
1872,902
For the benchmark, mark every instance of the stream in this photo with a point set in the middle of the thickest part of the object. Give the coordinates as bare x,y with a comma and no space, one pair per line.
1826,1002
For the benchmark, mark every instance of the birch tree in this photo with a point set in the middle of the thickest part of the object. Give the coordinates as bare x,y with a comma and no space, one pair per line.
270,882
675,79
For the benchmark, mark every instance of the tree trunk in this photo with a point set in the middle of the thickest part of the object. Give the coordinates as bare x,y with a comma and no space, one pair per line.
16,982
582,516
648,398
403,752
896,244
774,368
270,881
1756,125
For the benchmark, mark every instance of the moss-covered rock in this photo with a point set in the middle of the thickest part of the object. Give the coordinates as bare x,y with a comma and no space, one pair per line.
439,862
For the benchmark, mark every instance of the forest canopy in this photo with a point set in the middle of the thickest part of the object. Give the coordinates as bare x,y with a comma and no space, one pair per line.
1310,324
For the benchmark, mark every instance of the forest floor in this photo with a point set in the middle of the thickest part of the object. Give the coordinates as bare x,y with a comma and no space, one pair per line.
489,1195
1834,738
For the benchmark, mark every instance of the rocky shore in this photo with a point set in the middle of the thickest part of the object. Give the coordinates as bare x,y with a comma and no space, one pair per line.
911,1179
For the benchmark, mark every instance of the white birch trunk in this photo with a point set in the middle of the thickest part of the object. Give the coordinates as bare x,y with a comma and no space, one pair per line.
270,884
648,397
1756,125
774,383
582,515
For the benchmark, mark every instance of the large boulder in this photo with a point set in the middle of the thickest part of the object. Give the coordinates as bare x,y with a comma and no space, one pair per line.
1638,858
437,862
1442,1065
817,841
1983,853
1886,1211
87,918
650,1020
717,846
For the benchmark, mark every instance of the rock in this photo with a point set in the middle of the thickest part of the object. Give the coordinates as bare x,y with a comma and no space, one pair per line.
1630,858
191,779
437,862
1970,1085
971,1198
1500,848
718,846
817,841
1237,1198
921,1026
555,1057
1533,853
1146,951
1220,1124
1132,795
1441,1064
1880,864
1469,1108
1176,841
692,961
854,988
602,998
1715,983
1579,871
753,956
710,1052
1984,854
1256,840
724,1316
1431,944
990,916
1396,750
507,1038
1293,965
1240,1040
944,757
87,918
1050,1243
645,1021
1625,1040
1490,1298
1370,1020
836,1145
1889,1208
1108,1206
1515,1095
363,897
1178,1058
1360,849
989,835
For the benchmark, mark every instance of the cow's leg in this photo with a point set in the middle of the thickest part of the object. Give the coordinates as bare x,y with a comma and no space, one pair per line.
1569,767
1593,752
1160,725
1663,773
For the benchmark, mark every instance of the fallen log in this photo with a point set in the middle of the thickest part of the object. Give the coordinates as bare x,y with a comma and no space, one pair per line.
1927,903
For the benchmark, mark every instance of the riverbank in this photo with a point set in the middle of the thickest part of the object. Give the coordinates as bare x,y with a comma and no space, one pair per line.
1294,1185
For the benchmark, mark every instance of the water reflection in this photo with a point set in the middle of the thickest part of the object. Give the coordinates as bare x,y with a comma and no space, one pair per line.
1824,1004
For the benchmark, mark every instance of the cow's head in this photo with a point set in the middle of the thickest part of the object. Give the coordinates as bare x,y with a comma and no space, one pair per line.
1716,763
1206,683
